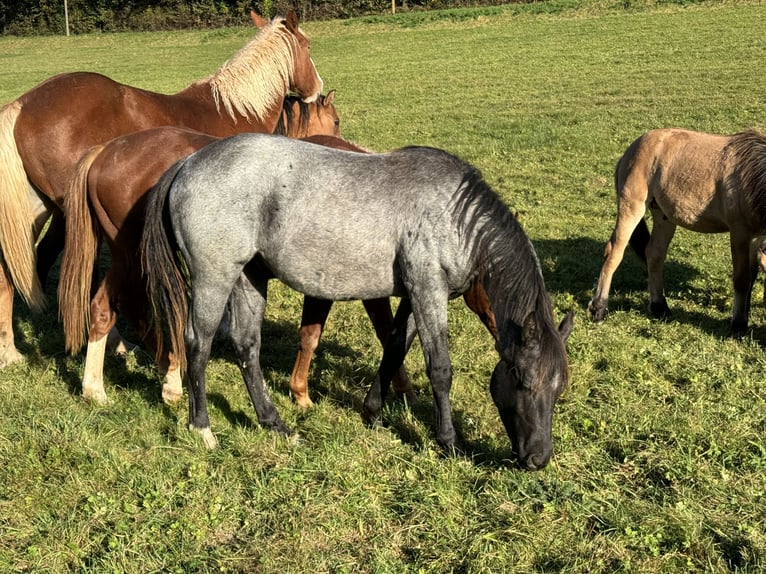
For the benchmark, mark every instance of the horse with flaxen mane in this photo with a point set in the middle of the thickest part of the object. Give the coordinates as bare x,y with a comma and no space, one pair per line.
42,136
106,198
417,223
703,182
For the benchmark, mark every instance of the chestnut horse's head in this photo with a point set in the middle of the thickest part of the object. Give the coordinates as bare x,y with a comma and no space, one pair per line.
306,81
257,78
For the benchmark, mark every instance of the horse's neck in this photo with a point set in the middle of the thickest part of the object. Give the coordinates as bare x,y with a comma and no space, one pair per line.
206,115
513,290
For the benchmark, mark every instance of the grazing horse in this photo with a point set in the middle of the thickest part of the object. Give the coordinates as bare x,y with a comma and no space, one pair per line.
417,223
46,130
703,182
106,197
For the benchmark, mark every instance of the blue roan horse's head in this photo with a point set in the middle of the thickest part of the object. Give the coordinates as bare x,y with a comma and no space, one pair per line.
530,377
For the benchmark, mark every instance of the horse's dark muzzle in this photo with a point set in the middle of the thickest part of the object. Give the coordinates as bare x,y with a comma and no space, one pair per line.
532,452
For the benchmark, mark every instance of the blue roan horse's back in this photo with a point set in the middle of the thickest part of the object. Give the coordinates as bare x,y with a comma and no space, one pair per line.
329,223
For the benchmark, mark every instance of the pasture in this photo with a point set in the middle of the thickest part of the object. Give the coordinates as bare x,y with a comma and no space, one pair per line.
660,455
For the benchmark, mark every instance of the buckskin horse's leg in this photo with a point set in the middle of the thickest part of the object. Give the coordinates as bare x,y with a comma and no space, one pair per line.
8,352
656,250
379,312
313,319
629,214
740,241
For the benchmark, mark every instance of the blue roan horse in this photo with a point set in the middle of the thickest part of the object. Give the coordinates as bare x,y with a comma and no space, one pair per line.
416,223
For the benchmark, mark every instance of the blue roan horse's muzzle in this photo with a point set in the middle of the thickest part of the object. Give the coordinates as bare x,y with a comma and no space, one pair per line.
527,416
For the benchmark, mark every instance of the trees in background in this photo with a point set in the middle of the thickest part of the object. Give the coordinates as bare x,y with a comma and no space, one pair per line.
29,17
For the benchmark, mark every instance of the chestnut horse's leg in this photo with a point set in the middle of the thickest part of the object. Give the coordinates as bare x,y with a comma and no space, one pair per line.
478,302
394,351
134,305
379,311
313,319
102,319
656,250
8,352
50,246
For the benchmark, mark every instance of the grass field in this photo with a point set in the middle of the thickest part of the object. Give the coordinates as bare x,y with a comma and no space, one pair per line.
660,460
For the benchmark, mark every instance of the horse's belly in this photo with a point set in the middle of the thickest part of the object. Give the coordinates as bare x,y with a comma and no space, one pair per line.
338,275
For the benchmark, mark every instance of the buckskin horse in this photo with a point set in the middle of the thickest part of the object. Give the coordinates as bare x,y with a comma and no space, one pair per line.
417,223
704,182
43,135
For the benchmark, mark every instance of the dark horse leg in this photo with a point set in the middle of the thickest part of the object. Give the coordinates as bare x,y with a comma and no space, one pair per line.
394,352
745,272
656,250
248,303
50,245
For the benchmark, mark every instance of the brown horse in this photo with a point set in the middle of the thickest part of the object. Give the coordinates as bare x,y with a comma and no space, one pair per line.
116,178
111,180
46,130
703,182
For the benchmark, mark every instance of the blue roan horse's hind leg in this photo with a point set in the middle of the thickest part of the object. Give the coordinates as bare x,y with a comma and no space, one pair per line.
248,303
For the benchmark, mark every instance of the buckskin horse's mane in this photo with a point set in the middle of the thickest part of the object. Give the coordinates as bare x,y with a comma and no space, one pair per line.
749,149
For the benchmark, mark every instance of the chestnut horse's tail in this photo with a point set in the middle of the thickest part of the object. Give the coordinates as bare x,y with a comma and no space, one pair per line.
80,252
17,240
166,282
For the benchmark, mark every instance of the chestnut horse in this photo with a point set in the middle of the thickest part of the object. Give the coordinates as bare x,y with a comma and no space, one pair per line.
106,198
46,130
704,182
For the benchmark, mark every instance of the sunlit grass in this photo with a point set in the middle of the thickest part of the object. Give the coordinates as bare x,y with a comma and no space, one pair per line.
660,455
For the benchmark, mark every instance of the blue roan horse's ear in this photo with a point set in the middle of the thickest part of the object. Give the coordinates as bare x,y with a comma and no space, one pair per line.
565,327
530,331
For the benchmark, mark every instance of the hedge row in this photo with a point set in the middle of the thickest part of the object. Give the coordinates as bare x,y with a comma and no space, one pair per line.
32,17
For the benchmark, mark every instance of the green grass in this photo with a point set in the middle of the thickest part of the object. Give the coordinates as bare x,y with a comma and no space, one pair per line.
660,450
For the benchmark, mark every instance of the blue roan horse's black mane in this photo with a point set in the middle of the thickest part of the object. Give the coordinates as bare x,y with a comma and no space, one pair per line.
504,257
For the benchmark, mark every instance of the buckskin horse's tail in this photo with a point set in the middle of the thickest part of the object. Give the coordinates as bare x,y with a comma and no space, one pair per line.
80,252
166,282
17,240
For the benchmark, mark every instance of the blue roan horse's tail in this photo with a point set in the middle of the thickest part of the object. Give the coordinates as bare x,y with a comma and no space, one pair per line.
166,282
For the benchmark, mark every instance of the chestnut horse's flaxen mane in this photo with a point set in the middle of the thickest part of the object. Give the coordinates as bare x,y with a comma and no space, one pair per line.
255,77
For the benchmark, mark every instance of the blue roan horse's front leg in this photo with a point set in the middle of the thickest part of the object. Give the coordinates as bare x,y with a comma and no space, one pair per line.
394,351
430,323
